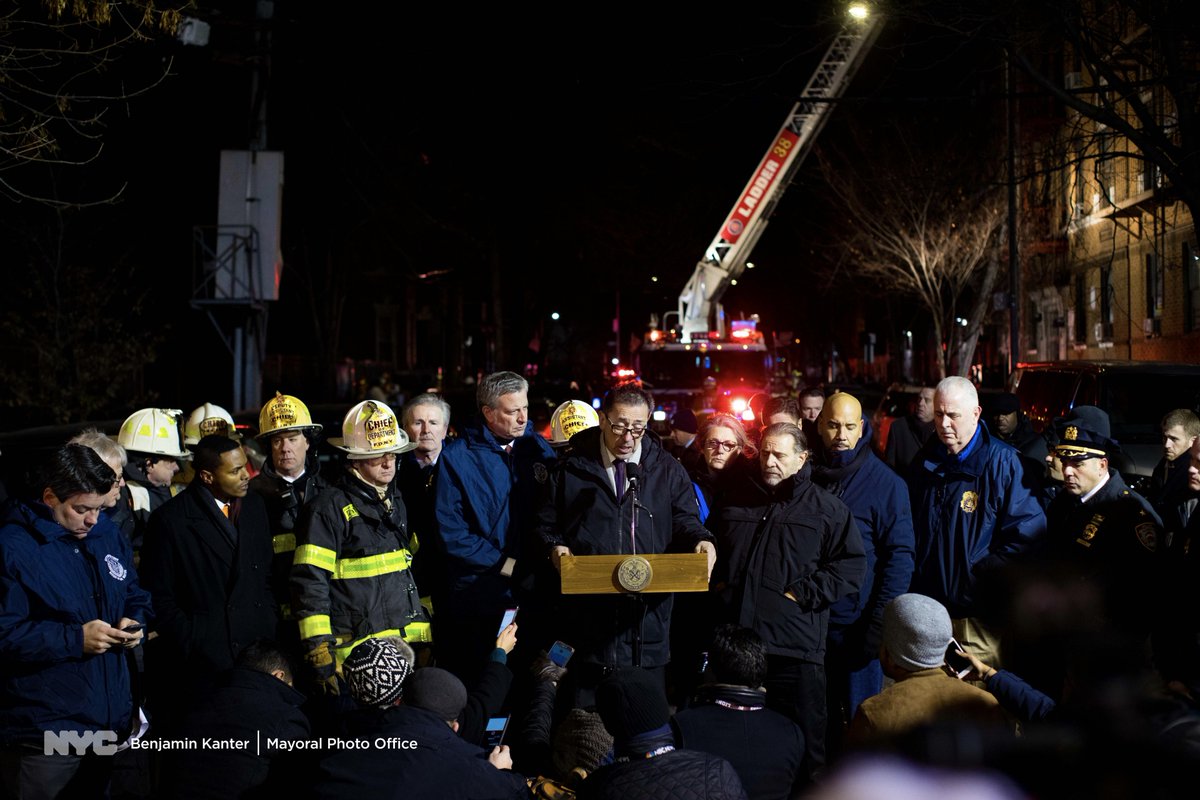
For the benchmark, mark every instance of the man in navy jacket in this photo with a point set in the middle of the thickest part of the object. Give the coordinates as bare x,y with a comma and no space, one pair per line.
484,500
972,514
68,592
847,467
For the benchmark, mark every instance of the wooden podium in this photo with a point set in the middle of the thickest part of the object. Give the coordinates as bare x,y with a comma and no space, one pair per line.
635,574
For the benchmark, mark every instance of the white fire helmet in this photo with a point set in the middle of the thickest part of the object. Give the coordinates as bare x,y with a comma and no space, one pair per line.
569,419
371,429
208,419
284,413
154,431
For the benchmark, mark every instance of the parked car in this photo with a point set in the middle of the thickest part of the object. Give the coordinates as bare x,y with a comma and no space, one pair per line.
1135,394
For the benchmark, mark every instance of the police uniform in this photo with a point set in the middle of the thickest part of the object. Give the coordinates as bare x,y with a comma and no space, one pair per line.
1113,538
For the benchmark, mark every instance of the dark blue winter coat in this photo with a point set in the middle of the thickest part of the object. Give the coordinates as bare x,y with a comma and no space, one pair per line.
51,583
971,514
878,499
484,503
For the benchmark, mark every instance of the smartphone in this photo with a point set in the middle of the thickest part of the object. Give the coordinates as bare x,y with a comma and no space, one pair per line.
509,616
560,653
959,664
134,628
494,733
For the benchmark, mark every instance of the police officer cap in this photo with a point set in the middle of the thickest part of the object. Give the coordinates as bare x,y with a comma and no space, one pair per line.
1084,433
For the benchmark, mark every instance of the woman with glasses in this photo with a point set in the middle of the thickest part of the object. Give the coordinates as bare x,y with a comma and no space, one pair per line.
726,449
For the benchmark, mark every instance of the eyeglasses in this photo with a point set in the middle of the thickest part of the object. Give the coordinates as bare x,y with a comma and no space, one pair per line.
719,446
620,428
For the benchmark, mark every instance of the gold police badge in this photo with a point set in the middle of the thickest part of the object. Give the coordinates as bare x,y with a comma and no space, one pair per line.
1071,433
969,502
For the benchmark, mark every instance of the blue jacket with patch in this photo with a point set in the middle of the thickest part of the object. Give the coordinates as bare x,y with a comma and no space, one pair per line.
51,583
484,504
971,515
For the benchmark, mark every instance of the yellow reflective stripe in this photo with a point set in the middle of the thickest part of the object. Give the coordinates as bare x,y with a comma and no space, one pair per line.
418,632
321,557
413,632
414,544
283,543
369,566
316,625
427,601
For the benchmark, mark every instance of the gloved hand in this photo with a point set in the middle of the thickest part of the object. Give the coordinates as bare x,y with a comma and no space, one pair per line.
323,668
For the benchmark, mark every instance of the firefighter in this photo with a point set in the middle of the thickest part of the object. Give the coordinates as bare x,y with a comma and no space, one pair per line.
569,419
350,578
290,477
152,443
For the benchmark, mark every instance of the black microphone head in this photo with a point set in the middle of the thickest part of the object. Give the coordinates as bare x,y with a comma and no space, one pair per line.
632,471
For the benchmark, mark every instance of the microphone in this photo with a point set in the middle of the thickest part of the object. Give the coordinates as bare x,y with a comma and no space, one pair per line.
632,473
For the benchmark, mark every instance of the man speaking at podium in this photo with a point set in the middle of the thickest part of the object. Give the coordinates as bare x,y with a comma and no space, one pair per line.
619,491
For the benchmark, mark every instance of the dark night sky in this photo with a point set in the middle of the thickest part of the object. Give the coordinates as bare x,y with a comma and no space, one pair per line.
584,152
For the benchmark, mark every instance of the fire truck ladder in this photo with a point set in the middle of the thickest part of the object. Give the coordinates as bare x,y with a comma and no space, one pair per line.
700,308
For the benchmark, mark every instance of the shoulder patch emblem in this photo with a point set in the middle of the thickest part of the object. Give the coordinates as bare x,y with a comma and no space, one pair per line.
969,502
349,511
115,567
540,473
1147,534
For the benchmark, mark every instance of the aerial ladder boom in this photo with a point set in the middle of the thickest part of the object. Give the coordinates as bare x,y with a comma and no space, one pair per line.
700,308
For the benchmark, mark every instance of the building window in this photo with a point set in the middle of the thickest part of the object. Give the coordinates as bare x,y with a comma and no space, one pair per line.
1191,294
1106,309
1154,287
1080,310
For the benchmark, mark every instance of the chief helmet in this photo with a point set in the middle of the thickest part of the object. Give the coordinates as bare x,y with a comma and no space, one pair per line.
153,431
284,413
371,429
208,419
569,419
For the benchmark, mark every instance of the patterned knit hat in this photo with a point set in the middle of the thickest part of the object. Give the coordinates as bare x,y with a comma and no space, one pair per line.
376,673
581,742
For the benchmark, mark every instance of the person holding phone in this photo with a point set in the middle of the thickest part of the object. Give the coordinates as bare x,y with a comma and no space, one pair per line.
70,609
916,635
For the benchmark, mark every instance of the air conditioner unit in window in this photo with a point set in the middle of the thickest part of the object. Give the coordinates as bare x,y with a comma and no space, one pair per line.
1152,327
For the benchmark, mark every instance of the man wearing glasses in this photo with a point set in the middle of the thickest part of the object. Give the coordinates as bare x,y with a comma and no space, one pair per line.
619,491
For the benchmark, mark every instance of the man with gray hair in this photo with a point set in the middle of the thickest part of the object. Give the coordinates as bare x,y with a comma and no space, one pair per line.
426,418
118,505
485,495
972,514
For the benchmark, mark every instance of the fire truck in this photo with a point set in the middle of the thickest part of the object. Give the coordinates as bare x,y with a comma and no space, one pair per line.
699,357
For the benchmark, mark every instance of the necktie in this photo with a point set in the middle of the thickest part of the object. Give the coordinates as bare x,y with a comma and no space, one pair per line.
225,510
508,448
619,469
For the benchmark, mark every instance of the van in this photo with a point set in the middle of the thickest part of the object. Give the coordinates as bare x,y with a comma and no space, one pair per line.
1136,395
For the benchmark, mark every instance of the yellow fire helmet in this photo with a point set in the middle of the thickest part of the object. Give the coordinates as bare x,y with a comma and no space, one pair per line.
154,431
569,419
208,419
284,413
371,429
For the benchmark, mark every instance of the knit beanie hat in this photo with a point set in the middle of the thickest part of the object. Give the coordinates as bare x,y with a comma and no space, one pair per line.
376,672
685,420
916,631
434,689
581,742
632,701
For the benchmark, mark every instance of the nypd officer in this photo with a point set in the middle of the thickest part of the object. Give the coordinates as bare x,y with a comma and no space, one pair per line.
1101,531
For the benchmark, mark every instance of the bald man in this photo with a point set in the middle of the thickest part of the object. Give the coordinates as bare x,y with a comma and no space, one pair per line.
972,514
846,465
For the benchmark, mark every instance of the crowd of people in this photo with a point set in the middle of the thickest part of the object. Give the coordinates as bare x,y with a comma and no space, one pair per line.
187,613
